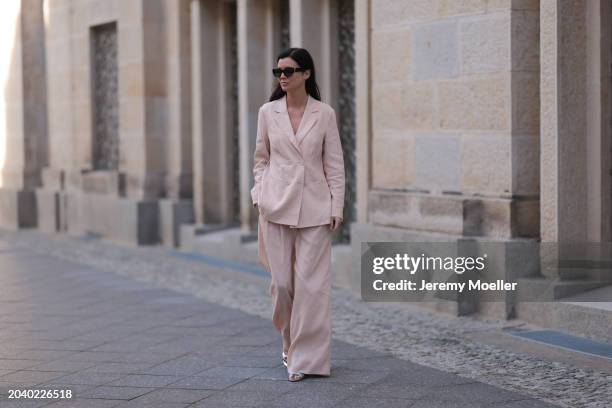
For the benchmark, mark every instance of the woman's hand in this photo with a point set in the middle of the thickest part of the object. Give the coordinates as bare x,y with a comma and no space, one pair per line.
335,223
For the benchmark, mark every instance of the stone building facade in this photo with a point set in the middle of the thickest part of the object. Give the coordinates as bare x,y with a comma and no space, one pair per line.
136,120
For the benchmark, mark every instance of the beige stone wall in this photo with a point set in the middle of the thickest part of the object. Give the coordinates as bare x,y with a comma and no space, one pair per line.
455,114
153,57
142,89
23,121
11,100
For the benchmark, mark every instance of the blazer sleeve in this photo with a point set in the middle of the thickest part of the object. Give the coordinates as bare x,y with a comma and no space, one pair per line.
333,165
261,156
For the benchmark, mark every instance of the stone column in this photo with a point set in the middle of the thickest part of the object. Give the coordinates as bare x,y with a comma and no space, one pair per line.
58,38
147,146
563,121
212,143
313,26
179,155
575,126
599,120
177,208
363,131
23,112
254,67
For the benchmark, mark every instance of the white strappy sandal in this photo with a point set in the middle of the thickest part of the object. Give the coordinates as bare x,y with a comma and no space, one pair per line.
284,359
296,376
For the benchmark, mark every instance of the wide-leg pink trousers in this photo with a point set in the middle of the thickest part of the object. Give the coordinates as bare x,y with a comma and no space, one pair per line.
299,262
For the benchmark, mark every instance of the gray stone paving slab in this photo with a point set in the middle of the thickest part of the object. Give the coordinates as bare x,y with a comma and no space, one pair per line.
347,375
470,392
5,386
243,372
206,382
366,402
25,403
454,404
47,355
527,403
18,364
121,368
122,357
237,398
195,331
114,392
252,361
271,386
315,394
143,340
145,346
86,378
371,363
31,376
413,374
84,403
226,350
145,380
187,365
76,389
277,373
11,385
174,395
264,351
137,404
57,345
384,391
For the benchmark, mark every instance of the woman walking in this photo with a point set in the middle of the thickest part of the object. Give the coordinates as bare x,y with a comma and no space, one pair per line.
299,192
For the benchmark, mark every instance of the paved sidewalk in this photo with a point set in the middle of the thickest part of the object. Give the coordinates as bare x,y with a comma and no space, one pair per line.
114,341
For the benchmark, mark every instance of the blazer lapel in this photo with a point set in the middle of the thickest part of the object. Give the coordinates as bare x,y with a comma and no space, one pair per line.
283,121
309,119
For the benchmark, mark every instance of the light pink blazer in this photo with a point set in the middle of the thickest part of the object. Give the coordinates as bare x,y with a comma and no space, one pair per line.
299,178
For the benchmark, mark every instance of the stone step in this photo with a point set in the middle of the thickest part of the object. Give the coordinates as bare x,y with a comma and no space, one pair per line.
577,314
229,244
543,289
578,273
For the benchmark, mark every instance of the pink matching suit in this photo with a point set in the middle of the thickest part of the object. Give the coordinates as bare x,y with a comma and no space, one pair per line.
299,186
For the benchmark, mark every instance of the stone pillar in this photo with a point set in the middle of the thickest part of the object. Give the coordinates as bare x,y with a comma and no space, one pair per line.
179,154
313,26
147,145
563,167
575,125
177,208
23,112
212,141
254,66
58,37
363,131
599,120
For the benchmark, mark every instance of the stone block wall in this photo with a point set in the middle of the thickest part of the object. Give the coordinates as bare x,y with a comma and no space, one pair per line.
455,117
151,62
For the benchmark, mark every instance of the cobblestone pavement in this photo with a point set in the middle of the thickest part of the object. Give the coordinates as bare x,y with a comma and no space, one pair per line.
125,326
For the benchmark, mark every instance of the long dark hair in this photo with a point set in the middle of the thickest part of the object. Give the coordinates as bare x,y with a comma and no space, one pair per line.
304,60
